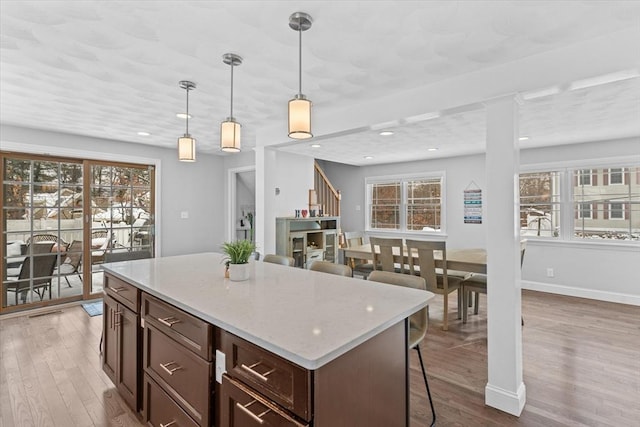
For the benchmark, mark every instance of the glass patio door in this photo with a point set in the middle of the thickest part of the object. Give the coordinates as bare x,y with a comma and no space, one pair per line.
121,206
41,218
61,218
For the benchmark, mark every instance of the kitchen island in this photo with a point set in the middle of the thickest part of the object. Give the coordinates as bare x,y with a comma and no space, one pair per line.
286,347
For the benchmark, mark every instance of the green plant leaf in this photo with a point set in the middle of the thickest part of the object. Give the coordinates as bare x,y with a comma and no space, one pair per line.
239,251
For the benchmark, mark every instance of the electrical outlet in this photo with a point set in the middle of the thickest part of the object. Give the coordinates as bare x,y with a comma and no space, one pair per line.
184,215
549,272
221,363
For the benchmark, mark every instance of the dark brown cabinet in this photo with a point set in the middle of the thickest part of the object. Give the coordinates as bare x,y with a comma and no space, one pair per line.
178,367
243,407
121,332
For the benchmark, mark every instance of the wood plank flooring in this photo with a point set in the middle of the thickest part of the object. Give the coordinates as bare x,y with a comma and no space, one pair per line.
581,368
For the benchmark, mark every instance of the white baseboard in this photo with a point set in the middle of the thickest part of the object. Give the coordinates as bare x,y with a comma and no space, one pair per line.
582,292
504,400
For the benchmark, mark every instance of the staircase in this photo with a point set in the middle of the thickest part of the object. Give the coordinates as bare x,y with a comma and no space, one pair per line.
328,196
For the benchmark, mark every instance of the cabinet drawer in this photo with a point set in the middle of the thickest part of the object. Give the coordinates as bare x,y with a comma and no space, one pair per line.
122,292
278,379
188,330
242,407
182,374
161,410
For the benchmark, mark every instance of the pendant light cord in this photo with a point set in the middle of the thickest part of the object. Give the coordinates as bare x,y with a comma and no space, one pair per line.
300,61
187,88
231,112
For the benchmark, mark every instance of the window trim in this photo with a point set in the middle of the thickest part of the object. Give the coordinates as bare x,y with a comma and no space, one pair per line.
621,173
567,213
403,179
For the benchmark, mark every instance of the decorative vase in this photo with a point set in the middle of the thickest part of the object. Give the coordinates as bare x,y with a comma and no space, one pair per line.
238,272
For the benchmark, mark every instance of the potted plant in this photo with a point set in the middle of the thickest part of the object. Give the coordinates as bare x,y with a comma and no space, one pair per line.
237,259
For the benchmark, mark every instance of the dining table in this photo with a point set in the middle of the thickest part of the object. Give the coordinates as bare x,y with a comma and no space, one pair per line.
472,260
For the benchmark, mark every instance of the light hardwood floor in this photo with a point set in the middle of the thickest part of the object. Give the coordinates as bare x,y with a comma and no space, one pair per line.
581,368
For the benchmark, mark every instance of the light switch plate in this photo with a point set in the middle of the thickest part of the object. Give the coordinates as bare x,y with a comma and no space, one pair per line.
221,362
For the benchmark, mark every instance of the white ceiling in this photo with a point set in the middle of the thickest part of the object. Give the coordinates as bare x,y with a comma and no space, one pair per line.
111,68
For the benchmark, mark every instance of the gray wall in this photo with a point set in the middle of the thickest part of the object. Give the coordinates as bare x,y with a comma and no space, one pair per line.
584,269
196,188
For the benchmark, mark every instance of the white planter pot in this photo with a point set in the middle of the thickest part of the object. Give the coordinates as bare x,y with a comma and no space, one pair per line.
238,272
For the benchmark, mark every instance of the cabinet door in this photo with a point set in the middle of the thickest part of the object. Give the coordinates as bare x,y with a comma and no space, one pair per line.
128,366
243,407
331,246
110,339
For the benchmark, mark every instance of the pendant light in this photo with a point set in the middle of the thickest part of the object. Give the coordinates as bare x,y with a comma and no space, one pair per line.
300,106
187,144
230,129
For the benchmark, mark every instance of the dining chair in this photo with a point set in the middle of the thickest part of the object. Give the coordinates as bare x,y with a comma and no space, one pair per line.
331,268
476,283
384,252
72,262
418,322
438,279
360,267
43,266
279,259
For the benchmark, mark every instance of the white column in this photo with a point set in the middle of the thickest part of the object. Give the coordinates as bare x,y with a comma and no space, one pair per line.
505,389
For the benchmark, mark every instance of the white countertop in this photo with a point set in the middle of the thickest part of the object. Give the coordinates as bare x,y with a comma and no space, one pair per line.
306,317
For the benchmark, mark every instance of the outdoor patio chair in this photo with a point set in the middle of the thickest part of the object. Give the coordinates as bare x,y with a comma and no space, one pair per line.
72,262
43,266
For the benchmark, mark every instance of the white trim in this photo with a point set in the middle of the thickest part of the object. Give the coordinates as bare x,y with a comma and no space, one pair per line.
402,179
504,400
572,291
100,155
581,164
231,199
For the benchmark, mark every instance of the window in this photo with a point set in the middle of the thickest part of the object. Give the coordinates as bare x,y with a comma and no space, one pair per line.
540,203
405,204
584,211
616,210
584,176
616,176
595,204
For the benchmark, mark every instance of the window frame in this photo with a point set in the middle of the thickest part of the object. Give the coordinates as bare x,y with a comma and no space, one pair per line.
403,180
569,215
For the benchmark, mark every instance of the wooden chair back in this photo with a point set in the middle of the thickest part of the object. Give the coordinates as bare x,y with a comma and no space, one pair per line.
382,252
426,263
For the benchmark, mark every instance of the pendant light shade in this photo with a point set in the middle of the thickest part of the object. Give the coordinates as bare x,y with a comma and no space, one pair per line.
300,106
186,148
186,143
230,129
230,136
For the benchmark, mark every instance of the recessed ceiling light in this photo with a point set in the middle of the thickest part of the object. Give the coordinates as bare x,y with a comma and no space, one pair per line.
523,138
316,145
432,149
144,133
386,133
184,116
368,157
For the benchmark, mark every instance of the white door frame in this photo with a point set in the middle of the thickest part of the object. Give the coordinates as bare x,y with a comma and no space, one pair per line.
231,199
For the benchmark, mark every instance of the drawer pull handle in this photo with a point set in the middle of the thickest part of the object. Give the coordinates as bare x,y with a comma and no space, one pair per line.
256,374
116,323
168,370
169,424
244,409
168,321
116,290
